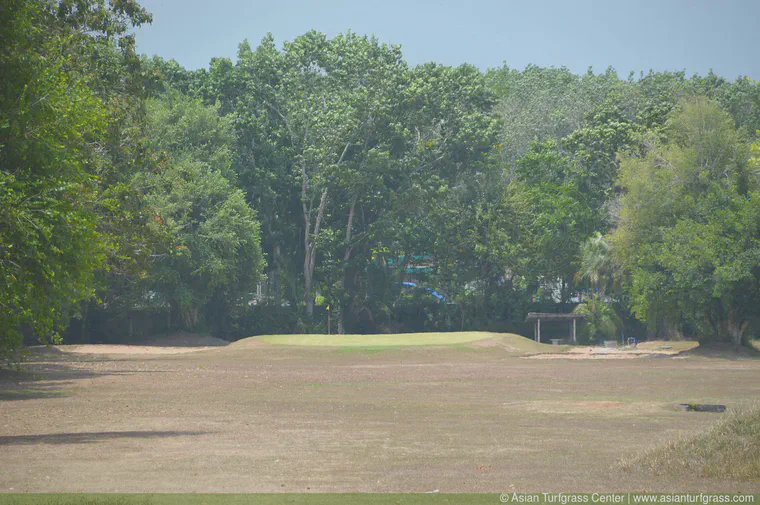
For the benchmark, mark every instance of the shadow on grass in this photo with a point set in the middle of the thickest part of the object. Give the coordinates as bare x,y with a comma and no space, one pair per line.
723,351
91,437
48,374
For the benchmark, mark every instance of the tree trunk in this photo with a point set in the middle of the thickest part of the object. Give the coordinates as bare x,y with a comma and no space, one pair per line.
274,282
310,239
307,298
190,318
83,334
736,328
346,256
727,327
307,249
339,319
310,250
173,309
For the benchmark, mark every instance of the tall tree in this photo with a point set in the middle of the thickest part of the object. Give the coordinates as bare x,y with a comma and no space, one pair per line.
555,216
54,122
689,224
313,117
212,250
538,104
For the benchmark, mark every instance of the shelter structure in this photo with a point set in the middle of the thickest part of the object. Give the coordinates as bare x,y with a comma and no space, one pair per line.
537,317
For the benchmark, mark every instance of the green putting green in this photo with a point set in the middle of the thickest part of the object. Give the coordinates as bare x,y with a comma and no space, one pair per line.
393,340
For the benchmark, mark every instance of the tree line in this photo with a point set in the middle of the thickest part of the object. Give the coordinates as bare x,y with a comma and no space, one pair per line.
327,174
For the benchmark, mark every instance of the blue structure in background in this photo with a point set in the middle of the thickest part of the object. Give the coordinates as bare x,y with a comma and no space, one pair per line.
431,291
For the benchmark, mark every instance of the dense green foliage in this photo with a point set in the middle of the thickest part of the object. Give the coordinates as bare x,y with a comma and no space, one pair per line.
55,158
212,250
140,197
689,231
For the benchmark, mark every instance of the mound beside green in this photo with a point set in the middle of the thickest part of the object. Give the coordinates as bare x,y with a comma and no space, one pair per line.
507,341
728,450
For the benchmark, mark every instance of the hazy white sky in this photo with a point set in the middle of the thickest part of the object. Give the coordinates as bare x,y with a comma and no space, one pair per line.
691,35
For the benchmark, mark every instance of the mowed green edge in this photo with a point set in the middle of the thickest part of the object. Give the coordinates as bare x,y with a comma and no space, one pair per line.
390,340
240,499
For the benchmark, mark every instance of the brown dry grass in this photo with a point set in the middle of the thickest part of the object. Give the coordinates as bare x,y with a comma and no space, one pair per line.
267,418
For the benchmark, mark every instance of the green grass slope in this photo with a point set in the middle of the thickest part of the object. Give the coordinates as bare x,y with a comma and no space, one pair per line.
389,340
478,339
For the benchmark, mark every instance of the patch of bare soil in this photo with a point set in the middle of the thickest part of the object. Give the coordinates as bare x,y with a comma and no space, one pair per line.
593,352
128,349
597,408
179,342
185,339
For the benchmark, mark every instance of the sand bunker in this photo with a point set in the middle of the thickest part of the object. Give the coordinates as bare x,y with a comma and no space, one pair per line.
176,343
128,349
647,349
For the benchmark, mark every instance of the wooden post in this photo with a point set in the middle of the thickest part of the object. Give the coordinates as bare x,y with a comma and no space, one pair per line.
575,341
538,330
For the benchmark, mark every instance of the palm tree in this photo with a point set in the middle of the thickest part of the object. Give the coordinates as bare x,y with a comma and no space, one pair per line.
601,319
596,267
596,263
